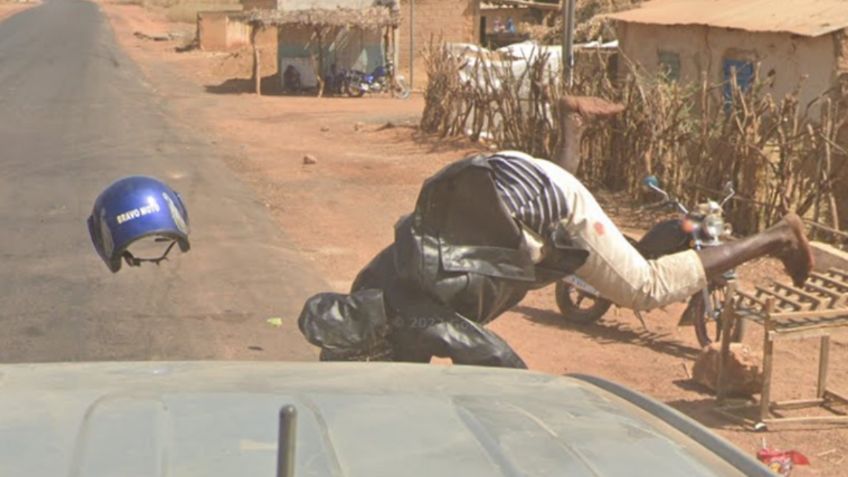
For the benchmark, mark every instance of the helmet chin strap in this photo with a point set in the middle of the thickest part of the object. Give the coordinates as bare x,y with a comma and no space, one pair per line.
132,261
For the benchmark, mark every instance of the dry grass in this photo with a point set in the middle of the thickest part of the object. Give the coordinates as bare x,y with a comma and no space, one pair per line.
780,156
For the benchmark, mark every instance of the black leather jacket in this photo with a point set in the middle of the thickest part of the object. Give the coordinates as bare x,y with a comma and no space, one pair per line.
457,262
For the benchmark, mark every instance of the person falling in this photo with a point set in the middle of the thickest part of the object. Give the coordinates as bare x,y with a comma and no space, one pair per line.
487,229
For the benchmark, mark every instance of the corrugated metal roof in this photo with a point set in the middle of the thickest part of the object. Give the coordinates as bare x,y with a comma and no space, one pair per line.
800,17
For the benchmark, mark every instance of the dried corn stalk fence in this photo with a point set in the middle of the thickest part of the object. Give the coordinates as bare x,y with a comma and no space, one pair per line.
781,155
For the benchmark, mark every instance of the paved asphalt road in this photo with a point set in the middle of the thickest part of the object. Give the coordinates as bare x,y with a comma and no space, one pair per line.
74,116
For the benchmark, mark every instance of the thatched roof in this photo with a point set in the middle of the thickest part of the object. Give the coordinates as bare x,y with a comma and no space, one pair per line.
367,18
555,7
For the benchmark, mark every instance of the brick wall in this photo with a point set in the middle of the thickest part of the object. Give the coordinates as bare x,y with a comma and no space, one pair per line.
451,20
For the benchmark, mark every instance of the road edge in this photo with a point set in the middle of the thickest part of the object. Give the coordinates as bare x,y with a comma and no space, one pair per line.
8,10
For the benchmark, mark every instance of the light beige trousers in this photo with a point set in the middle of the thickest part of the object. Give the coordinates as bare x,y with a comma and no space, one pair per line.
614,267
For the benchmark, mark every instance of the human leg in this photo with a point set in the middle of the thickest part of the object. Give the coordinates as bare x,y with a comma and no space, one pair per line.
785,240
621,274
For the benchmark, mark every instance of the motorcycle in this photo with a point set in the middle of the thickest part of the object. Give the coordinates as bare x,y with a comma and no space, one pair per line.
383,79
703,226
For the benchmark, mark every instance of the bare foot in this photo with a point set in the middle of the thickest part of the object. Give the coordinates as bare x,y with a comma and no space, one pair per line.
797,256
589,106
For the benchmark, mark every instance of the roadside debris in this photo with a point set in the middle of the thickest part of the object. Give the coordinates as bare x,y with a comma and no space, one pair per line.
392,125
743,374
145,36
275,321
309,159
189,46
781,462
827,452
170,36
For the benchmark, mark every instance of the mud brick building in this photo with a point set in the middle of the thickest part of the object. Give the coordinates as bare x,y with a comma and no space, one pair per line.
792,41
420,22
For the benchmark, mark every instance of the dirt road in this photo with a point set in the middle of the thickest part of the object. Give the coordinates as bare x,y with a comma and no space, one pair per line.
75,115
339,212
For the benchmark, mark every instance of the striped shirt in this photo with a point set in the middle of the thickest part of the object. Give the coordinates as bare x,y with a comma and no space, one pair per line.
528,192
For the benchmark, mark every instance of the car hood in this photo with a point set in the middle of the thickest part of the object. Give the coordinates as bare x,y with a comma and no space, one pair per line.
357,419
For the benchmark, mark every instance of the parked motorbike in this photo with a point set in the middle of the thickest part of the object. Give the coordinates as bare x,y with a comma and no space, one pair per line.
383,79
703,226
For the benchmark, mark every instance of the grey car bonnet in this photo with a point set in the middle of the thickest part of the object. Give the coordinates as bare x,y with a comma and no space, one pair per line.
354,419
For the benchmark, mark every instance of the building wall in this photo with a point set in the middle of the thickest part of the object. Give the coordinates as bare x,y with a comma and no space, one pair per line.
455,21
518,15
218,32
789,57
212,31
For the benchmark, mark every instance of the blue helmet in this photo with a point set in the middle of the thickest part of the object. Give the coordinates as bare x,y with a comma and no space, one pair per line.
133,208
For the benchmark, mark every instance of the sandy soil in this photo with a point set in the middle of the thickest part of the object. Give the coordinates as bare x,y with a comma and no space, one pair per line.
340,212
7,9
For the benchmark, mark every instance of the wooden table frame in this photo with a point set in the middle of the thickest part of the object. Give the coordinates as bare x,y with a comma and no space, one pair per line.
787,313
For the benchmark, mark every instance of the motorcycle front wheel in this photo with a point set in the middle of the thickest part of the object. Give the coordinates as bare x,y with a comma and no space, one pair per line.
708,327
400,90
353,89
579,307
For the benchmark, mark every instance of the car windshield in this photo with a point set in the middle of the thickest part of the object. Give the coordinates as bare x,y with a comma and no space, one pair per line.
193,180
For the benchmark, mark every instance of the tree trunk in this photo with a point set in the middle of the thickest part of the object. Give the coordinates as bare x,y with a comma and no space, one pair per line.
320,66
257,67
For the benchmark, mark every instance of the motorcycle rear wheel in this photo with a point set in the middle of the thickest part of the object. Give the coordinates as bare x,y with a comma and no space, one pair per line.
353,90
708,328
579,307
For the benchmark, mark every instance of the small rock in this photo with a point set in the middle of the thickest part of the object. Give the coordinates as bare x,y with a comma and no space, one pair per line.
743,375
310,159
358,126
324,129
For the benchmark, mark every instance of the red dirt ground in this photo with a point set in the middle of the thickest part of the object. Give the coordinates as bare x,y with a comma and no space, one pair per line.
339,212
8,9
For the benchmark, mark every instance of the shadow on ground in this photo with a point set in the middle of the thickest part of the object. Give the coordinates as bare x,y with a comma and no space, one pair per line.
270,87
438,144
611,332
703,411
